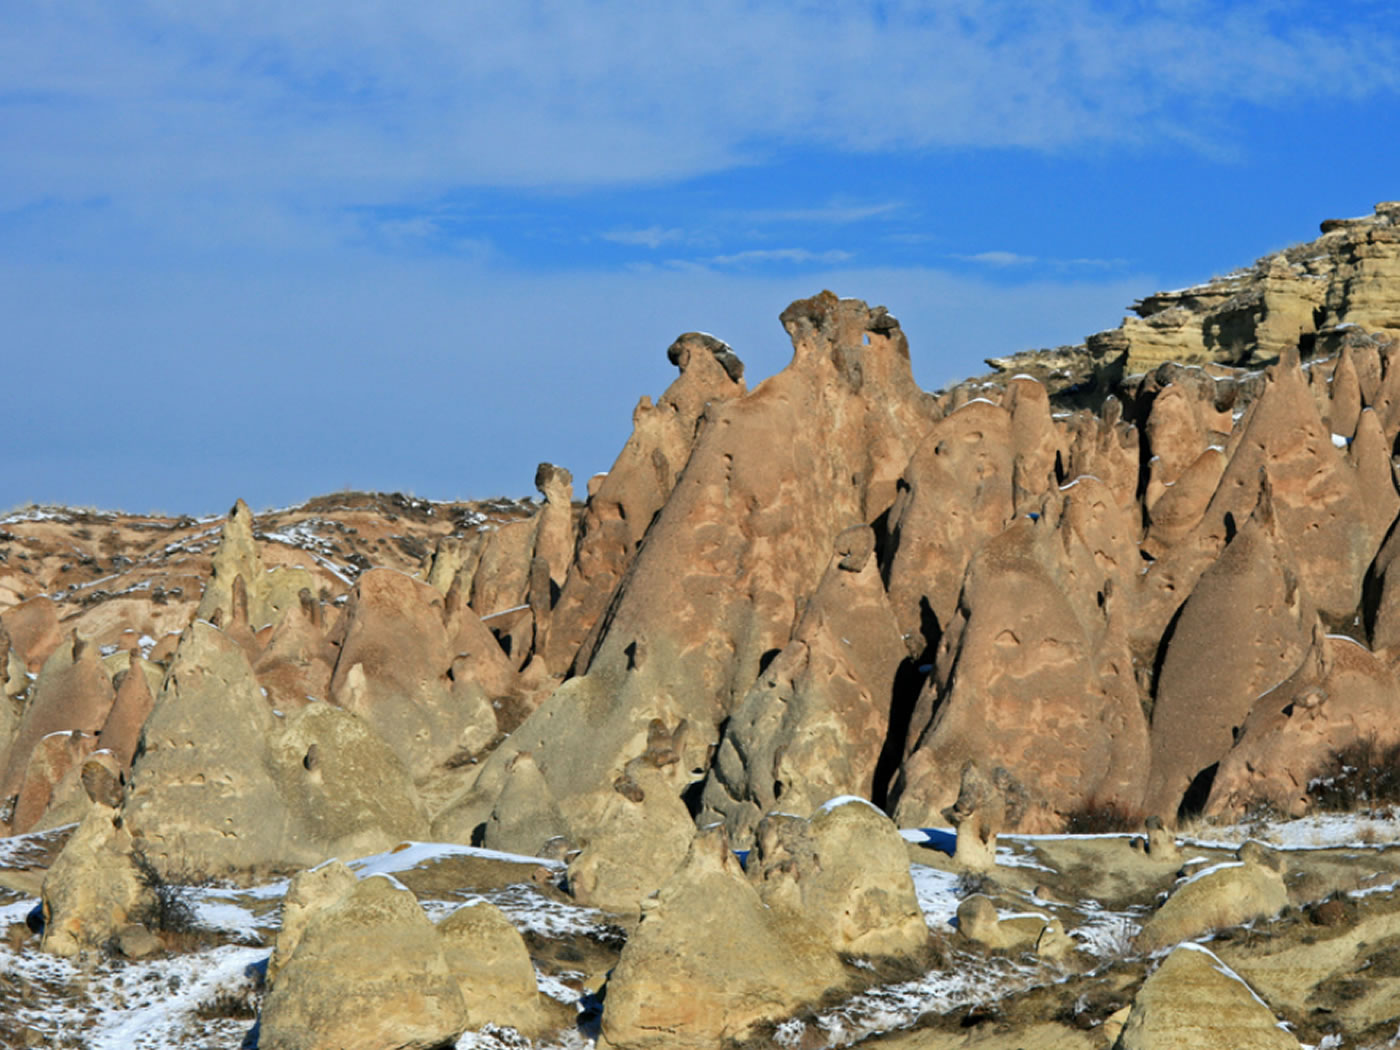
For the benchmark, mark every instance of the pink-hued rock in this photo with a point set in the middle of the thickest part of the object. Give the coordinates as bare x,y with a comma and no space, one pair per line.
1339,696
71,693
1034,679
1244,628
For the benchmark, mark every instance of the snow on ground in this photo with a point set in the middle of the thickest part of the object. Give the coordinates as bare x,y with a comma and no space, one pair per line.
413,854
127,1005
968,979
938,895
1379,830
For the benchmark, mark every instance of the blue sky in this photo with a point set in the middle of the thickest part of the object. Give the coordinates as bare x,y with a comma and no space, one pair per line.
272,250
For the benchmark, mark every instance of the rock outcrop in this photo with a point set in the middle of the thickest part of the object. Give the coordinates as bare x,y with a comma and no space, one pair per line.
708,961
367,973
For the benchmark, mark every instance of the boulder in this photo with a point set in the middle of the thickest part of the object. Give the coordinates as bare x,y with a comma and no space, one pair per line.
525,815
1218,896
1193,1000
366,973
843,876
488,959
979,922
643,833
310,891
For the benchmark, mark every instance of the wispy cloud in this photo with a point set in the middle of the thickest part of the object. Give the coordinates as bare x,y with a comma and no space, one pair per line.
651,237
998,258
372,100
1003,259
779,255
835,214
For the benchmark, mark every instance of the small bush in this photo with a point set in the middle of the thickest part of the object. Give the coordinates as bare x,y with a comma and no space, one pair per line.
230,1005
1101,819
1360,777
171,909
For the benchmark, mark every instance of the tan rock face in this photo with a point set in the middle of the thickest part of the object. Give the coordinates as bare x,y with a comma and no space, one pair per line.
223,785
1024,656
131,706
33,629
747,530
1245,627
200,795
959,496
72,693
708,961
393,673
1347,276
639,483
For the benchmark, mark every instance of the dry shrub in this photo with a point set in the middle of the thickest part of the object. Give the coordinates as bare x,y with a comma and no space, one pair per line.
1096,818
1359,777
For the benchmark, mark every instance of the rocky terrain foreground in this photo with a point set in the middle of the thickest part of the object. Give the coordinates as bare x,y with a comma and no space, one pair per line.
1058,709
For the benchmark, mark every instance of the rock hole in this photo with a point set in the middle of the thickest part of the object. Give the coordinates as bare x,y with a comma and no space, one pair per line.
904,695
1193,803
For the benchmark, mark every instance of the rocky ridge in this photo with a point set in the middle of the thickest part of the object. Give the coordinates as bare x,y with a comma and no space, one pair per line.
1144,580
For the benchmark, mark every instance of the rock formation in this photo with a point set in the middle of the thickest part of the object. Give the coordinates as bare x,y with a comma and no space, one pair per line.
1146,579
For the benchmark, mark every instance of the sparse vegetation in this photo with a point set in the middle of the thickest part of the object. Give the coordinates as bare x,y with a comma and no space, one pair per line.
1101,819
1363,777
170,912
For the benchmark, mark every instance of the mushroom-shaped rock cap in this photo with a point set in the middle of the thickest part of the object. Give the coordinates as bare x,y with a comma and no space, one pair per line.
679,353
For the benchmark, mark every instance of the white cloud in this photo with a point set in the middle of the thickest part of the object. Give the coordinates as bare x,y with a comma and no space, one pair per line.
371,100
